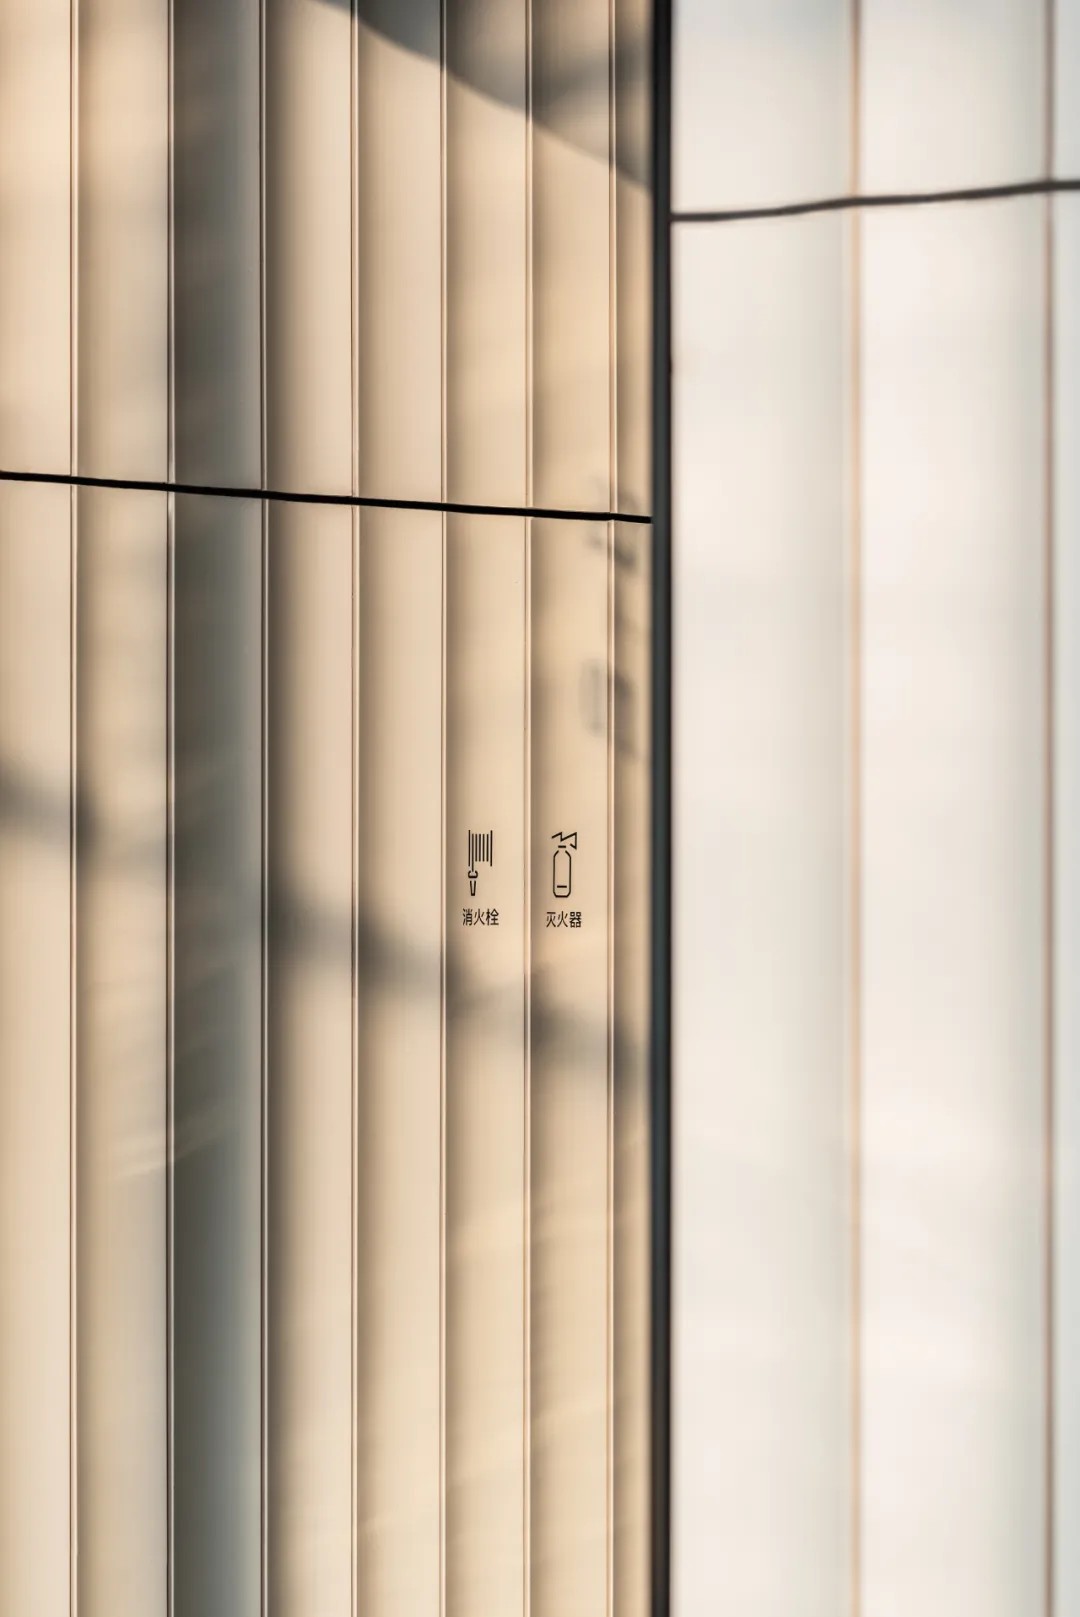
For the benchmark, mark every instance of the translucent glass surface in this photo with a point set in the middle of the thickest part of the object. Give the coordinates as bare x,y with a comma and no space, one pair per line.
874,903
1066,1028
952,94
763,991
954,908
1067,88
762,102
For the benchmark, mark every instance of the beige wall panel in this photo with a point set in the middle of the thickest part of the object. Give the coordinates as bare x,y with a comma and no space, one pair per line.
630,1032
309,1306
485,1068
35,215
35,1032
399,281
217,1042
633,255
308,245
121,1053
571,256
398,769
122,265
762,995
217,366
486,224
570,1053
955,923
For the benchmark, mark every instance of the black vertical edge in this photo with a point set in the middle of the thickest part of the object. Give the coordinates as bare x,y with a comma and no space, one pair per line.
660,967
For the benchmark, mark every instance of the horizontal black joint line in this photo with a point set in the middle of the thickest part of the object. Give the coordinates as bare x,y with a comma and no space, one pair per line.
889,199
301,497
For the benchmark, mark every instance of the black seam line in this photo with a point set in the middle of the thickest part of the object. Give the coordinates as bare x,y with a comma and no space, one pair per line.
297,497
884,199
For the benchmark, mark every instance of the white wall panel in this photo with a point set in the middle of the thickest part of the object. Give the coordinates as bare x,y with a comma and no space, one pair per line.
954,912
952,94
1066,630
1067,88
762,102
762,1002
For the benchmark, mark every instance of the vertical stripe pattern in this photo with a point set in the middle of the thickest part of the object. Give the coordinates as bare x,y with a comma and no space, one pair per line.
323,832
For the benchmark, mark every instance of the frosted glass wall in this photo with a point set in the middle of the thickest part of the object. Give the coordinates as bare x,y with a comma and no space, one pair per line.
877,1068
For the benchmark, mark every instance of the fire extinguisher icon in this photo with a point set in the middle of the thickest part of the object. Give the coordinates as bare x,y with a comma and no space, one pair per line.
561,864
